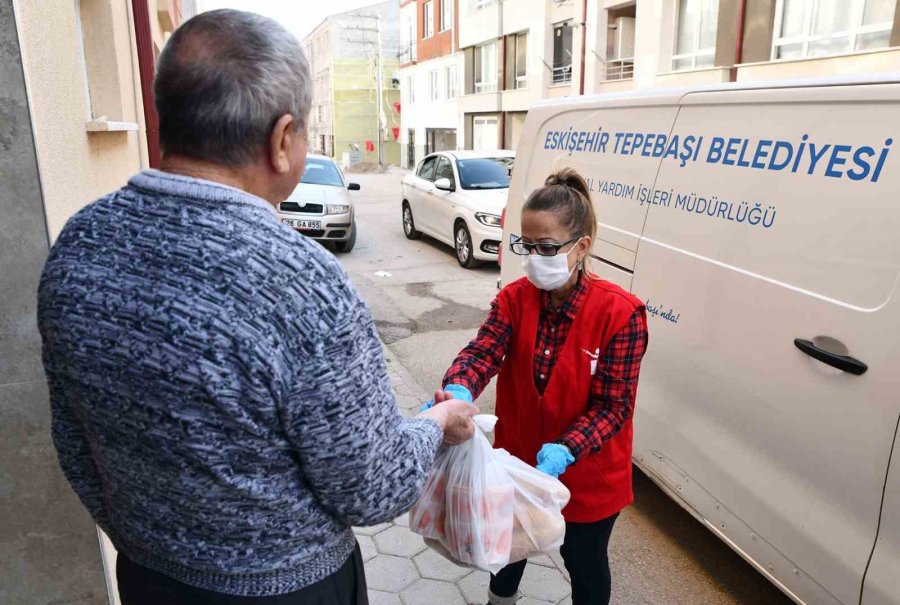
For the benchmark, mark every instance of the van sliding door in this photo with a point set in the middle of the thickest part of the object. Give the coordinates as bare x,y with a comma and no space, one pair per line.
769,394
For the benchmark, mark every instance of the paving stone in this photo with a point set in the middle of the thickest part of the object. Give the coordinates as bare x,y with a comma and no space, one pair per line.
432,592
530,601
376,597
390,573
475,587
542,560
560,564
371,530
367,547
544,583
399,541
402,520
433,566
566,601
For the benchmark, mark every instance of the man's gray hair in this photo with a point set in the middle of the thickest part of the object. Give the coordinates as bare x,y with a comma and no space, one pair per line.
223,79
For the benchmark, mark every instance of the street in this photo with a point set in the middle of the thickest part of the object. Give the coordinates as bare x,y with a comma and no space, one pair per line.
426,308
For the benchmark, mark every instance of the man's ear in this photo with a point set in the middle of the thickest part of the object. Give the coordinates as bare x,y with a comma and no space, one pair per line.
280,144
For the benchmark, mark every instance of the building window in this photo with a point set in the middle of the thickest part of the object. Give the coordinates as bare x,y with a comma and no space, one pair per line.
486,68
695,36
816,28
428,30
521,42
562,53
434,87
450,75
446,15
479,4
411,89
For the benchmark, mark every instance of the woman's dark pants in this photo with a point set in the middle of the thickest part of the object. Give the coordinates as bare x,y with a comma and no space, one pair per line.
585,553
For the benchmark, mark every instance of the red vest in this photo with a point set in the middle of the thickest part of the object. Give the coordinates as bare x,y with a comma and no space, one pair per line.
600,483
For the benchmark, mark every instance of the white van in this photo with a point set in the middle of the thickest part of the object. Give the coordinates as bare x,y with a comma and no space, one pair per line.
761,226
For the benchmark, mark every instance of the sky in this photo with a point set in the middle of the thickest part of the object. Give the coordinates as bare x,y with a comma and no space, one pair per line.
299,16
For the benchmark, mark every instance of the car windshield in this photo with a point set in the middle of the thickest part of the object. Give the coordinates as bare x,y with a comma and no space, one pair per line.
485,173
321,172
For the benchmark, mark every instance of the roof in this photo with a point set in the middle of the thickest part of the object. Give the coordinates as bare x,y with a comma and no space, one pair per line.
352,12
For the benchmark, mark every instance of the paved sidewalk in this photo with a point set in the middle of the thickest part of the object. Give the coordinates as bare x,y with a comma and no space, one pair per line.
401,570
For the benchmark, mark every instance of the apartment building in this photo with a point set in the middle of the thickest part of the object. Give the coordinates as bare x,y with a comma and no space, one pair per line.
430,69
346,52
517,52
666,43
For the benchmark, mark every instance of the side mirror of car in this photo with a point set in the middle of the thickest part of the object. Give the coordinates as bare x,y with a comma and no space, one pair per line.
444,184
353,186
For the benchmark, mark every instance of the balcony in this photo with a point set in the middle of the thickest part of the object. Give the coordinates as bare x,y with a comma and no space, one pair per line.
620,69
408,53
562,75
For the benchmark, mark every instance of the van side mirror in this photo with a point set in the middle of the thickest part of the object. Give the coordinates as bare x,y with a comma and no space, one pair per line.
353,186
444,184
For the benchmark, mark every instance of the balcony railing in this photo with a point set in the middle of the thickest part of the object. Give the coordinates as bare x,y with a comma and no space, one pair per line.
620,69
408,53
562,74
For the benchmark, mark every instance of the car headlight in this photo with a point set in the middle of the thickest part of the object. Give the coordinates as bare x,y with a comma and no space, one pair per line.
491,220
338,209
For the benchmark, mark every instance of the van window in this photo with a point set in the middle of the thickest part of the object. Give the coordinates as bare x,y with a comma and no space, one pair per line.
426,168
800,193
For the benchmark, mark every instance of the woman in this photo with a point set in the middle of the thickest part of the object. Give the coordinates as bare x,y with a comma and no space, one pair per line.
568,348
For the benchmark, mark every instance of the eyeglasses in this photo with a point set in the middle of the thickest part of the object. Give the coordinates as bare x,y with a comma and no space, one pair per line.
517,246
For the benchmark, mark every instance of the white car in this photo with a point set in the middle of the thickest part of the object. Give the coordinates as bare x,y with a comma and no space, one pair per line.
458,197
320,207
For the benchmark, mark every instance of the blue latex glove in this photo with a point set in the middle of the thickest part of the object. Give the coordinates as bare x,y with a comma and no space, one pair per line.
457,390
554,458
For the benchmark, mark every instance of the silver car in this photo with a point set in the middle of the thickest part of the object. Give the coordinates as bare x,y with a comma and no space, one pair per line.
321,207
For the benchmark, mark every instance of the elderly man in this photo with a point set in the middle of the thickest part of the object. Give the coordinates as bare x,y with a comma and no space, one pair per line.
219,395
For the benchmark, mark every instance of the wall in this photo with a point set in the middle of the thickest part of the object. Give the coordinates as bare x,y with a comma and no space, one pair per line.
355,119
48,545
442,42
77,166
425,113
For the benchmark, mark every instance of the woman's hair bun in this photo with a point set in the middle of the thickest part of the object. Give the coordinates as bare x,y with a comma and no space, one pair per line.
569,177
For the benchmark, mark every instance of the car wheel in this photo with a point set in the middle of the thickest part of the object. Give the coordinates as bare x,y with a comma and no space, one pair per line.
409,225
348,244
462,239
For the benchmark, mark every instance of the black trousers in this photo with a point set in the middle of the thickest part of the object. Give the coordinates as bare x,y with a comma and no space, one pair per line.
141,586
585,552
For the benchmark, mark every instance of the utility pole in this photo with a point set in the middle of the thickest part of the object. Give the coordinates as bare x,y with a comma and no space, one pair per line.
379,89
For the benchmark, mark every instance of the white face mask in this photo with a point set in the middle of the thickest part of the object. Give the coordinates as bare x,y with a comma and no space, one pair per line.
549,272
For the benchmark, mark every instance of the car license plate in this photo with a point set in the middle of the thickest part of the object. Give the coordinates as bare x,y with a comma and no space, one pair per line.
303,225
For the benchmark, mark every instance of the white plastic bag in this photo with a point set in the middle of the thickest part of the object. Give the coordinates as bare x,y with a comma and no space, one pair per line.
485,508
538,523
467,504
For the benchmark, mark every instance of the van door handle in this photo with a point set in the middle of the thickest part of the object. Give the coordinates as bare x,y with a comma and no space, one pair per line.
841,362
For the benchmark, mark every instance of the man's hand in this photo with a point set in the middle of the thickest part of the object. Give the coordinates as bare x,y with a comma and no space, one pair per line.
455,417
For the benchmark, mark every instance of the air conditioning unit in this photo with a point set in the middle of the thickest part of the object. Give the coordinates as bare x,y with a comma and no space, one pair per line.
623,46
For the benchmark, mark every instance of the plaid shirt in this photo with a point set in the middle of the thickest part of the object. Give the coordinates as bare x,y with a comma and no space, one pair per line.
614,385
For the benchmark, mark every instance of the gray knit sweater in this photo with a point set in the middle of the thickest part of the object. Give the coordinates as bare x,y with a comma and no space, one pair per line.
219,394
